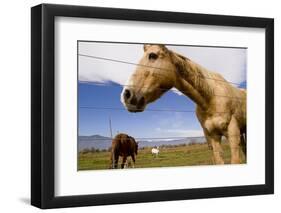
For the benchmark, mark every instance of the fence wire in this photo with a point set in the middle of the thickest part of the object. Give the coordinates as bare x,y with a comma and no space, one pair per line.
158,139
161,89
148,66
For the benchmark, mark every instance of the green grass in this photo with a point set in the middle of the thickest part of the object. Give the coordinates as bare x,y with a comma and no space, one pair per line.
189,155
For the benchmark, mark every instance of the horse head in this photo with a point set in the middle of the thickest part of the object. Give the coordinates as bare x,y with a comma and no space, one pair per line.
154,75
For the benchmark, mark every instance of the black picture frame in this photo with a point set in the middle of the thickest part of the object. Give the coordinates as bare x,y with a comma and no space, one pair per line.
43,102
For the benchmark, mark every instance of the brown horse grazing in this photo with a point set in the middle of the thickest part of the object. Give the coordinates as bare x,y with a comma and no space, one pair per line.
220,107
123,145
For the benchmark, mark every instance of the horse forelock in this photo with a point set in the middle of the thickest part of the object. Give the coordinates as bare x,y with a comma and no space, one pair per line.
160,46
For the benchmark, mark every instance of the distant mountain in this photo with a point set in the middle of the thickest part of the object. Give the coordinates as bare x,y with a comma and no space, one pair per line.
102,142
94,137
93,141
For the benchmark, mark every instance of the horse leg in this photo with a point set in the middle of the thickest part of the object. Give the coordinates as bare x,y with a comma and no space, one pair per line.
215,141
134,160
209,143
243,144
123,161
208,139
126,164
233,136
116,158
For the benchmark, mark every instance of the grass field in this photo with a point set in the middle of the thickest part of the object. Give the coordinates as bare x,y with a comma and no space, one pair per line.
188,155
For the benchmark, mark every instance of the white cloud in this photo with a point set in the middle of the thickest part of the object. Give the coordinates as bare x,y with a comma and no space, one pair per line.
98,70
230,62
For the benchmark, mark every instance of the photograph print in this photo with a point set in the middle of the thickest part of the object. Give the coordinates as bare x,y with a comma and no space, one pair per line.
160,105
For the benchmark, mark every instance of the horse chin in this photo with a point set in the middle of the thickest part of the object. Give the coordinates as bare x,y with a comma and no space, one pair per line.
135,109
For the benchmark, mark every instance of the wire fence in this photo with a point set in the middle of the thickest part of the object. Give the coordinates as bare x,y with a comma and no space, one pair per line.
165,143
161,89
157,139
151,110
163,138
148,66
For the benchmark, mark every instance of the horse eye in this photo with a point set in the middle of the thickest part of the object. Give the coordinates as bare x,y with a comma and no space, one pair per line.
152,56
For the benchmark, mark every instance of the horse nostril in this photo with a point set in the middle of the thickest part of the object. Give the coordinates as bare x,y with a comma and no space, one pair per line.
127,94
141,101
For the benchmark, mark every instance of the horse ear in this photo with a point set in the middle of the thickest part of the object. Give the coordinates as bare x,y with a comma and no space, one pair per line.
146,46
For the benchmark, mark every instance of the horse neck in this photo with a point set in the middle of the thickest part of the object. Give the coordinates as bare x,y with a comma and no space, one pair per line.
193,83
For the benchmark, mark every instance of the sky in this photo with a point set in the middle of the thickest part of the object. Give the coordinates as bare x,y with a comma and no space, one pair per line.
100,85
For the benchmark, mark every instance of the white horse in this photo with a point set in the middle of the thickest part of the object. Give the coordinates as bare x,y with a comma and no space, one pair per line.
155,151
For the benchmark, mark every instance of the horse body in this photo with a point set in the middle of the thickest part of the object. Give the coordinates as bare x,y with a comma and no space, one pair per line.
123,145
220,107
224,116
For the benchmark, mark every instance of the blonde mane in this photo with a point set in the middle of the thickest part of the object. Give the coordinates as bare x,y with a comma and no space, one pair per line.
195,74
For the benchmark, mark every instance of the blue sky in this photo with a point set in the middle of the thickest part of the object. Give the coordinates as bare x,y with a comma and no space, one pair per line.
145,124
148,124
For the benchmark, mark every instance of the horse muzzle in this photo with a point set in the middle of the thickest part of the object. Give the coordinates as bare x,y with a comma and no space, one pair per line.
133,102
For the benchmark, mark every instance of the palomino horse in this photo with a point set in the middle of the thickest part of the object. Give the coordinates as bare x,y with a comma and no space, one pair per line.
123,145
220,107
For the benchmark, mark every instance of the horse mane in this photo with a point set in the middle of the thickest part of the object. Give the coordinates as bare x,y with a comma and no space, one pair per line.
194,74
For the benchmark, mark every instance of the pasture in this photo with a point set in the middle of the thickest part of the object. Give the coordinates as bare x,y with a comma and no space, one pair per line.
169,156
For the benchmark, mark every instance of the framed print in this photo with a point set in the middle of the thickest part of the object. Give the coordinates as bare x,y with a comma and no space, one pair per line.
139,106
